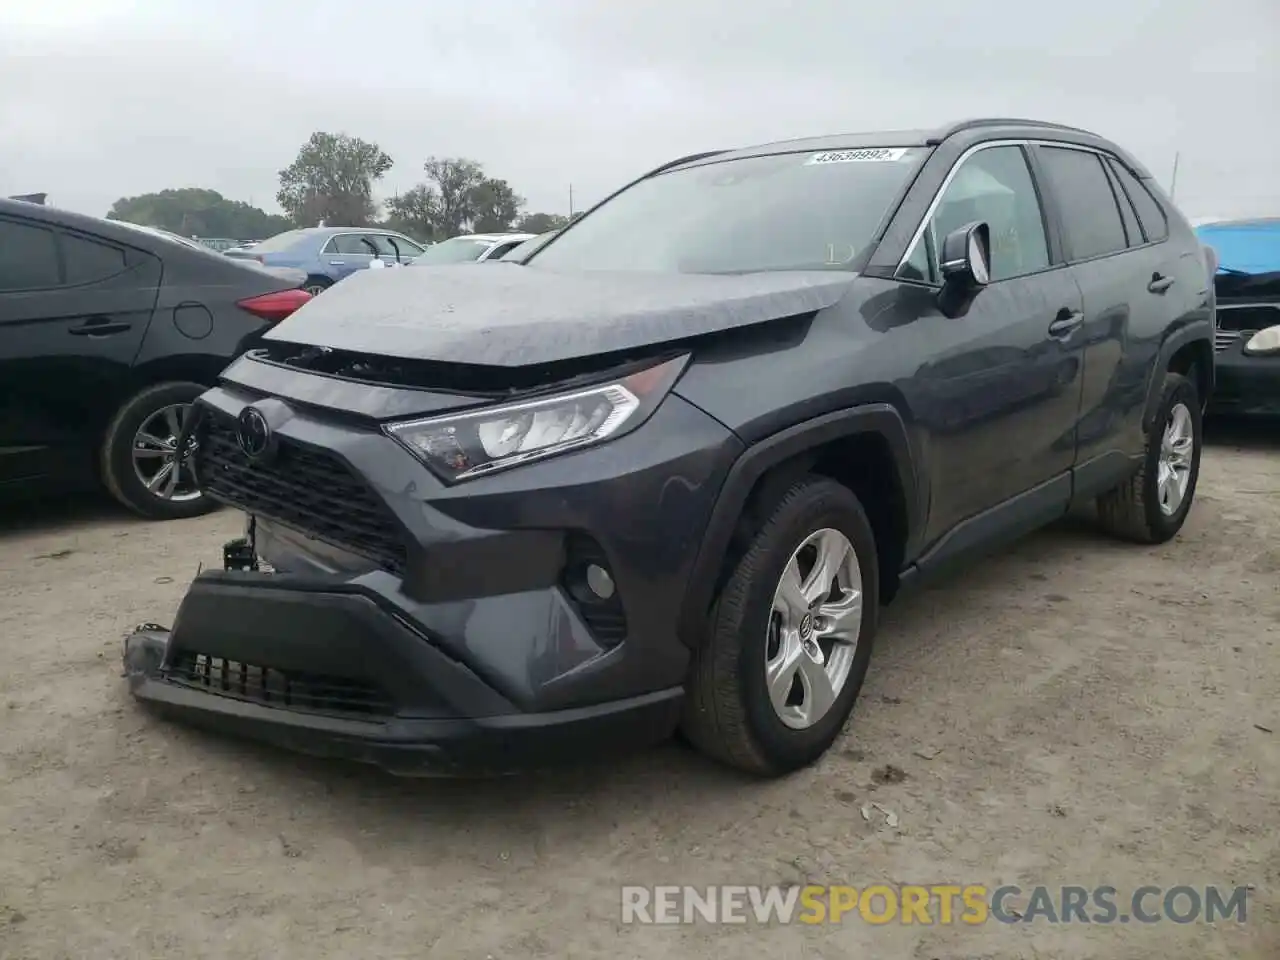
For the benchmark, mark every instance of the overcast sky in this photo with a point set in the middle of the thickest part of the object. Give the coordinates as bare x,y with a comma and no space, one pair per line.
104,98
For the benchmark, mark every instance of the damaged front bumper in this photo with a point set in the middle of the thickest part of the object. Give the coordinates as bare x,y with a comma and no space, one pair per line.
329,669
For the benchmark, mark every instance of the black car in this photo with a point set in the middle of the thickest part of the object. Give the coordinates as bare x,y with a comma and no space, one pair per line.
108,332
1248,334
665,472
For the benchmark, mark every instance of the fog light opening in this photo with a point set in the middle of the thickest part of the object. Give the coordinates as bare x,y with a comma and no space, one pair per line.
600,582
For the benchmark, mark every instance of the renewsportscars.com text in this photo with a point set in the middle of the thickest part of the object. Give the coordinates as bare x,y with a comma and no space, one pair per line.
940,904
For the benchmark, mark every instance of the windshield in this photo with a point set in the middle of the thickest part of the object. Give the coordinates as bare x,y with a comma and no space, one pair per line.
457,250
281,241
522,250
793,211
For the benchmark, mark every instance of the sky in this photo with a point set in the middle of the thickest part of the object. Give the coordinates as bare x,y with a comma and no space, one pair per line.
107,98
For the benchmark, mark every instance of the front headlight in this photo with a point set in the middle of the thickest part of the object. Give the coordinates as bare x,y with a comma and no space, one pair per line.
465,445
1264,341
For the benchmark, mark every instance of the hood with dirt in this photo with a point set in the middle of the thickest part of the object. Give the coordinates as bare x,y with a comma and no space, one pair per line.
513,315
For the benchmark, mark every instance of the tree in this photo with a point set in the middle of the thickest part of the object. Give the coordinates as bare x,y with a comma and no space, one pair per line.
192,211
494,206
332,180
454,179
541,222
415,212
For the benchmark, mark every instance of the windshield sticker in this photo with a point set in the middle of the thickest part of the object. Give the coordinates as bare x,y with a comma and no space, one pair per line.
869,155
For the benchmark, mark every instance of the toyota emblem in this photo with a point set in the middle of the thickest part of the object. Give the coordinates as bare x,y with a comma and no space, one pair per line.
254,434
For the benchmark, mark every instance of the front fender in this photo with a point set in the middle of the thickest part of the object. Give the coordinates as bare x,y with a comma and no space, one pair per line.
752,464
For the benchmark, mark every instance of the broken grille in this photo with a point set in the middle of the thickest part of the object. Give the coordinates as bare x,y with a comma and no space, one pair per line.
304,488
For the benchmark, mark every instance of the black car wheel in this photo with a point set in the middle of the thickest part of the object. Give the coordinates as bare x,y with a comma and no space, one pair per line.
1152,506
140,465
317,285
790,635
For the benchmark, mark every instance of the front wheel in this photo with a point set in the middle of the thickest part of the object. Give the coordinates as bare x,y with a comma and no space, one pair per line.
140,465
790,635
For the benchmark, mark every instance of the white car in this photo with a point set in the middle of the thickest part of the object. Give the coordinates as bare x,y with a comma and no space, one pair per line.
470,248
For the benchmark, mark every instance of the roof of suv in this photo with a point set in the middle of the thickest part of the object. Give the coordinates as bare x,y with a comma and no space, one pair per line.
983,128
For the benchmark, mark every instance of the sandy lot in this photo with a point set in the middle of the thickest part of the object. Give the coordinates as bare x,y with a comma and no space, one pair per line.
1073,711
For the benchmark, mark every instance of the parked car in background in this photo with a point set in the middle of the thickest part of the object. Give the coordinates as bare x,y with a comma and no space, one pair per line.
218,244
525,249
327,254
666,473
471,248
108,332
1247,340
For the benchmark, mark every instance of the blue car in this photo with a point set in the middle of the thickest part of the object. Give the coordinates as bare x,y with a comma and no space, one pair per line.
1247,340
328,254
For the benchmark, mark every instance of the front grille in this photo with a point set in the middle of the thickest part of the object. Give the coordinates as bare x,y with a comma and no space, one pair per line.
303,488
1223,339
278,688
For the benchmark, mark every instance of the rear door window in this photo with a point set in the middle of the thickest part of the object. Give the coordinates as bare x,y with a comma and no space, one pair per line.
1131,229
88,261
28,256
1154,223
352,245
1086,201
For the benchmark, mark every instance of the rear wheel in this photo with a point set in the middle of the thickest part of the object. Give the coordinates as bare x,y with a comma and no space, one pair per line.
140,465
1152,505
317,285
790,635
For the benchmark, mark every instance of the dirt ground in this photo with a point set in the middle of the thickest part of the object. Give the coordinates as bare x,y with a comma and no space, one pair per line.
1073,711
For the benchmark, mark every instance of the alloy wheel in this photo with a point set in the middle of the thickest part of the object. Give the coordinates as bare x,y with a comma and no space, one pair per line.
813,628
1173,472
155,456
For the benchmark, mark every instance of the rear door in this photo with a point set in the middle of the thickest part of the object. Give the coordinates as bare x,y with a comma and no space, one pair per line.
74,309
346,253
1130,281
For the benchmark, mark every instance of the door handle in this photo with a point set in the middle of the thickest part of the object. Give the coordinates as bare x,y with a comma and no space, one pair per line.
337,263
1159,284
1066,322
100,327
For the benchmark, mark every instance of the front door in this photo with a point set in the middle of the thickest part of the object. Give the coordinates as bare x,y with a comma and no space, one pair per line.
73,312
999,401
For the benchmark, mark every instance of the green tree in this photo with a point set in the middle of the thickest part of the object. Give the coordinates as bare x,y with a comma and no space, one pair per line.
191,211
415,212
332,180
494,206
453,180
541,222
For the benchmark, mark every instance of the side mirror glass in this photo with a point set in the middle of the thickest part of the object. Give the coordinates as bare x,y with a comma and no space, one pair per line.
965,265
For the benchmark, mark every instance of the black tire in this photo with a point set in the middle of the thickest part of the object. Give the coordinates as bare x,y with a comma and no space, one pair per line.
118,473
727,711
1132,511
317,285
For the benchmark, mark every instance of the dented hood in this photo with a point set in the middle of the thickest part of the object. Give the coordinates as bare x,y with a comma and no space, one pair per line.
507,314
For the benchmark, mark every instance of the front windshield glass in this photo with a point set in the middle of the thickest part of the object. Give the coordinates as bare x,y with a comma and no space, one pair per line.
457,250
792,211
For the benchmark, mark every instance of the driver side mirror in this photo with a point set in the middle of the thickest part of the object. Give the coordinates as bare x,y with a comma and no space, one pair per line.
966,267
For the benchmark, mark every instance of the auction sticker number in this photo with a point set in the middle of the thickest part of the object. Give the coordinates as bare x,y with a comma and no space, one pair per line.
868,155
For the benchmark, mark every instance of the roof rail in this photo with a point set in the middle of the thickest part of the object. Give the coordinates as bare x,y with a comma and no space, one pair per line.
689,159
962,125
